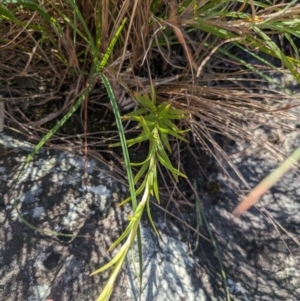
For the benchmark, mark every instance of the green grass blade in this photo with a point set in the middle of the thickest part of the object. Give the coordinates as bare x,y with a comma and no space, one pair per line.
57,126
122,138
223,273
165,141
255,70
278,53
150,218
126,160
85,27
142,171
8,15
137,112
46,232
111,263
38,147
110,47
145,101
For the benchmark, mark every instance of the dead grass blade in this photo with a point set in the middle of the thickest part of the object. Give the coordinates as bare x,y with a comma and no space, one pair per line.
267,183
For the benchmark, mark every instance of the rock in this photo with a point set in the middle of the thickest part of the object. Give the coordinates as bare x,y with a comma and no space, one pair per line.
260,251
51,196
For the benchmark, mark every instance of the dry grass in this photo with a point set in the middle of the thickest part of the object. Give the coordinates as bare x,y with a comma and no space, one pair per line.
44,68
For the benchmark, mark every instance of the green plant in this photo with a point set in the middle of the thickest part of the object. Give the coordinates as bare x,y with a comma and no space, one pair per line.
96,72
90,42
157,123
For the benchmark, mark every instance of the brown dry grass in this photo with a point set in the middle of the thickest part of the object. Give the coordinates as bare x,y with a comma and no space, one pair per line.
57,69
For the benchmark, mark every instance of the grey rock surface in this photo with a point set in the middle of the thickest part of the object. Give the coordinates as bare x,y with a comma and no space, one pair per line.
51,196
260,251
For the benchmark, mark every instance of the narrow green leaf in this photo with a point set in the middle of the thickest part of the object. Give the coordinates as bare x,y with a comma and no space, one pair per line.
177,113
293,45
174,134
155,185
57,126
137,112
168,166
252,68
163,108
106,293
98,26
137,193
150,218
165,161
8,15
164,130
147,130
122,138
165,141
152,93
110,47
145,101
168,124
278,53
78,14
112,262
141,172
131,142
151,120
